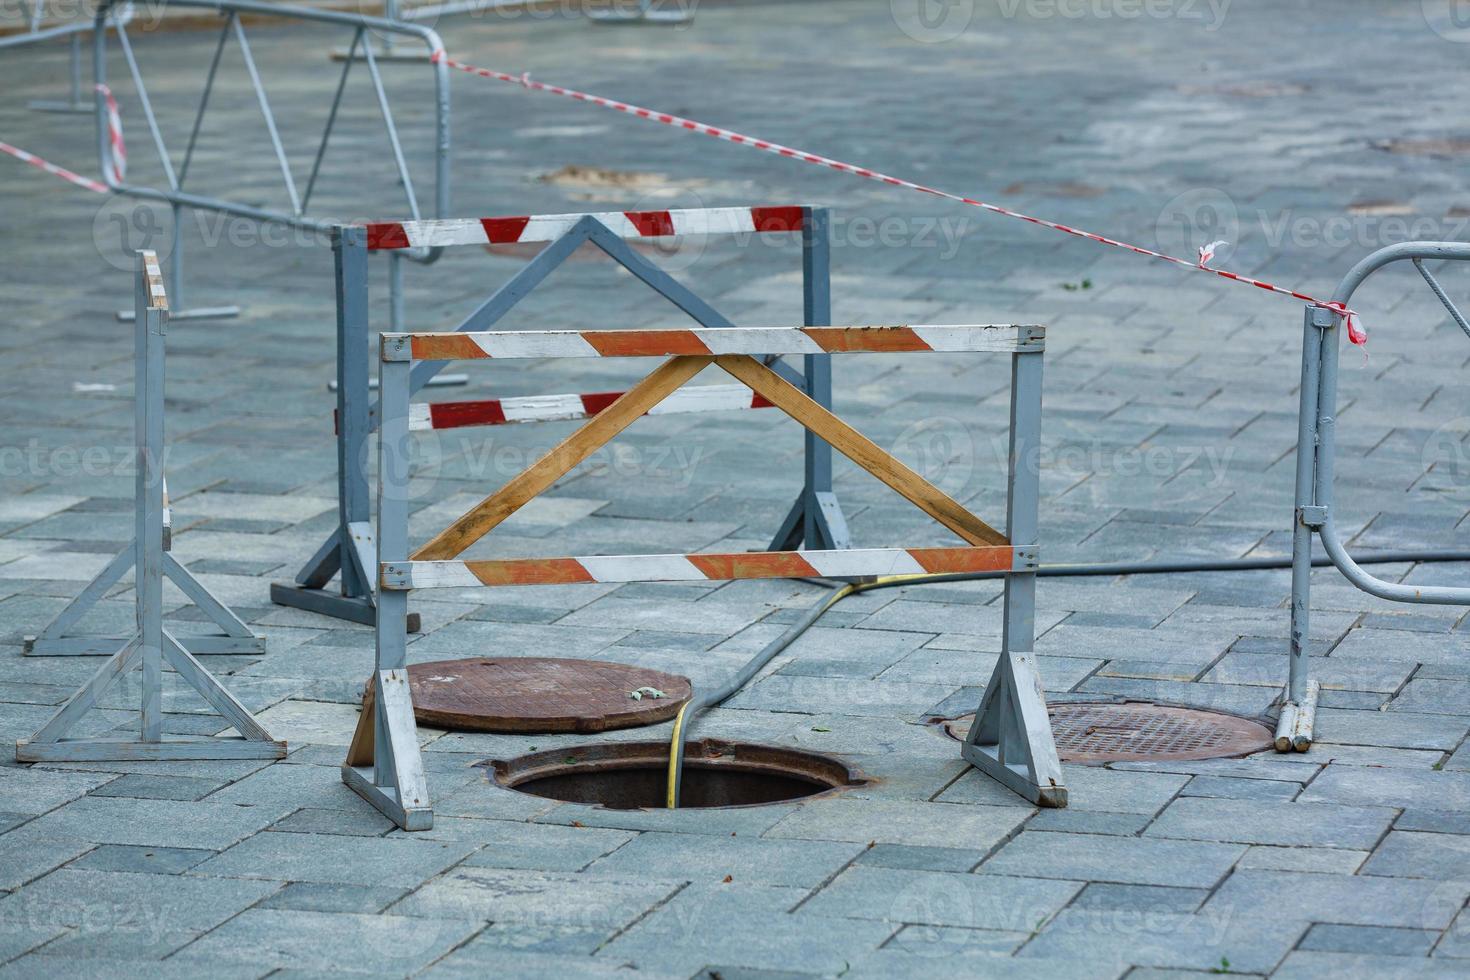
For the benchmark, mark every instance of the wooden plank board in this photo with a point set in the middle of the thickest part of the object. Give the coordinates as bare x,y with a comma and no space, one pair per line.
562,458
861,450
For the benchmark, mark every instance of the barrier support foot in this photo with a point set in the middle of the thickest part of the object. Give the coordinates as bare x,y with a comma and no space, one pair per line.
394,782
1294,727
1011,739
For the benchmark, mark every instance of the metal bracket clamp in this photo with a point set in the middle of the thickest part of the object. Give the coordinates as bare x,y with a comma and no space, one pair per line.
1313,516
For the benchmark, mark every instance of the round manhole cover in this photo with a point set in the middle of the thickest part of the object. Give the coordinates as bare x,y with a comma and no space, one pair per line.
542,694
1137,731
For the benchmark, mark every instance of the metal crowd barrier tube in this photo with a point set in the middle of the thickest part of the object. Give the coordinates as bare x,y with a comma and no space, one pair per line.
178,198
1316,457
72,31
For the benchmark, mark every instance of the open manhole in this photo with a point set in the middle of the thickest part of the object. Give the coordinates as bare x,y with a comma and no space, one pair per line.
541,694
1138,731
634,775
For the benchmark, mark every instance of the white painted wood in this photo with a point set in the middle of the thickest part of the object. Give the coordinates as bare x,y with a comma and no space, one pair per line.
172,749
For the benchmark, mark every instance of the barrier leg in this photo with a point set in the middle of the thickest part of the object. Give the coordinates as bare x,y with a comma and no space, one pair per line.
151,644
1011,739
350,552
392,778
75,103
815,520
176,280
1299,702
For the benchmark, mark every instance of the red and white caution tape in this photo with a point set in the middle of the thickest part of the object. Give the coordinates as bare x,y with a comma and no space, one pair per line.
556,408
117,151
53,169
1355,333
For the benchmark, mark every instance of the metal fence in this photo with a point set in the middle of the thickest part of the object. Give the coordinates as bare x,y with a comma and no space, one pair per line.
1315,459
178,197
35,31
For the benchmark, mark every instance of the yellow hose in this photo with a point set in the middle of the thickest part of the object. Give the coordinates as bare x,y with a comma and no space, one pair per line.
852,588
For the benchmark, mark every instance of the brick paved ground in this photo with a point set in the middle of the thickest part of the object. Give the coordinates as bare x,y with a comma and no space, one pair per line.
1170,427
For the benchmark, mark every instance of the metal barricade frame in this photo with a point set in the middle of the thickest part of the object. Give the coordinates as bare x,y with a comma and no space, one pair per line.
1315,459
1011,739
815,518
178,199
151,644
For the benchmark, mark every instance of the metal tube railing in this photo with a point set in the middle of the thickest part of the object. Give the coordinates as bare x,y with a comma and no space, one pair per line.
175,194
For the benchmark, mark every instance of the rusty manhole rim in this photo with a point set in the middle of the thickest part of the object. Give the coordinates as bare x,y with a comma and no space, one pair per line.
706,753
1249,735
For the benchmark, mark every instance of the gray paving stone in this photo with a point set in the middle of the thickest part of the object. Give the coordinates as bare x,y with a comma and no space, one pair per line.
154,823
684,857
909,858
899,822
1344,899
1259,822
1327,860
401,861
1369,940
1395,729
1388,787
150,860
1144,898
1012,904
514,895
154,787
315,896
1234,788
1235,940
29,791
509,844
26,855
328,941
1124,860
1313,965
130,913
1407,854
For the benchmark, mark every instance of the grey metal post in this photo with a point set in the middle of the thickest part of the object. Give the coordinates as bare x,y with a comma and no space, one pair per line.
349,245
1011,738
816,520
74,103
1298,705
393,473
395,784
148,487
150,644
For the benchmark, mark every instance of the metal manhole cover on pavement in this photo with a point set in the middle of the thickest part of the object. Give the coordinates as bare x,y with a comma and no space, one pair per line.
541,694
1137,731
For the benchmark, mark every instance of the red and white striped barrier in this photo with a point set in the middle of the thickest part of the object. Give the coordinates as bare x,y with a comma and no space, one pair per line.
557,408
86,183
710,341
549,227
1355,333
117,150
851,563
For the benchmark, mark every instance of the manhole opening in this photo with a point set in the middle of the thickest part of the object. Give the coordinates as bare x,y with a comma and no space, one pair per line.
1136,731
634,775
